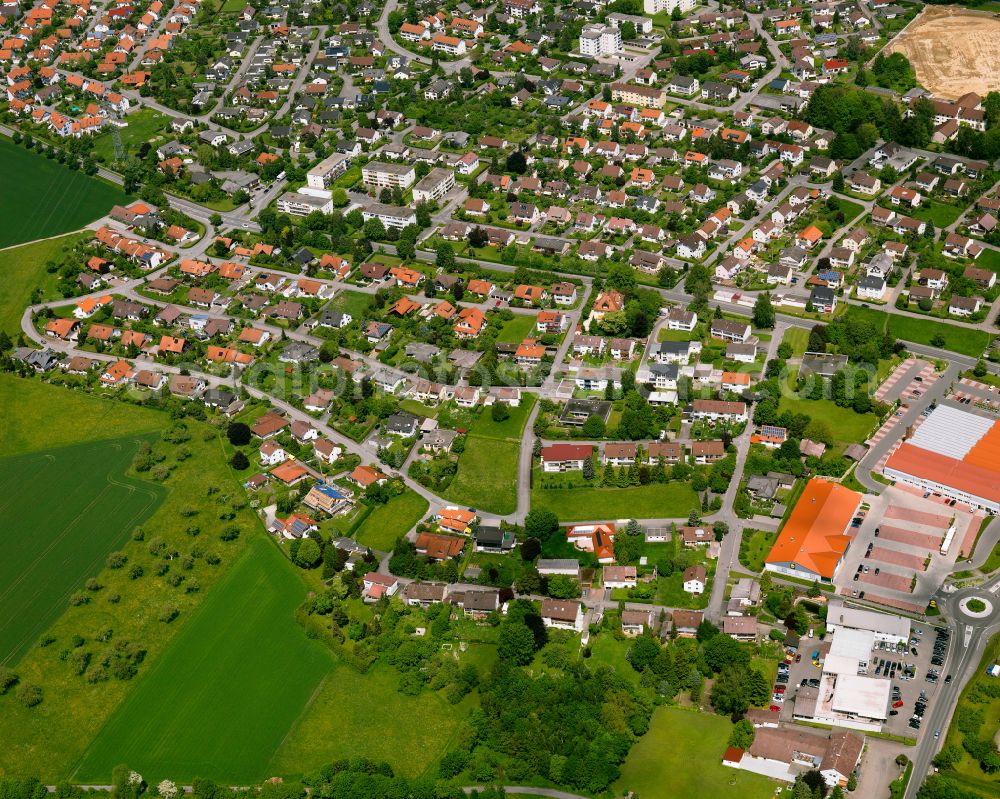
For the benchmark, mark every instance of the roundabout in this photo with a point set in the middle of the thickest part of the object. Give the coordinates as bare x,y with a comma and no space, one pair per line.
976,607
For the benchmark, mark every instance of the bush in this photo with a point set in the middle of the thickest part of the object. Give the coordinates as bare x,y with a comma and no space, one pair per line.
239,461
239,434
500,412
116,560
168,613
29,694
8,679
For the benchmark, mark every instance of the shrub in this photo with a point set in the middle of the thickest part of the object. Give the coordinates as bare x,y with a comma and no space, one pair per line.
8,679
168,613
29,694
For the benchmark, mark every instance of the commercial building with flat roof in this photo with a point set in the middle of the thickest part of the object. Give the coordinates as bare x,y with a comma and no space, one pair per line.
955,453
812,543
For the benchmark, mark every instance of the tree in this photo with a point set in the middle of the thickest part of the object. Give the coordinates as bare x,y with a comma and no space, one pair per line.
541,523
593,428
531,548
643,652
517,163
239,461
588,469
979,370
445,256
763,312
238,434
499,412
562,586
308,554
516,643
742,735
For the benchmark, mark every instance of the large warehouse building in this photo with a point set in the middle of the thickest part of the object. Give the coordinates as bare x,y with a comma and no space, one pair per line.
955,453
813,541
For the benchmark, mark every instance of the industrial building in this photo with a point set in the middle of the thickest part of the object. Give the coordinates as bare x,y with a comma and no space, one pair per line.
955,453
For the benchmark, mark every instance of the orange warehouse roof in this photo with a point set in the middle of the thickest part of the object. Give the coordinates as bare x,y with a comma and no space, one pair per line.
972,475
813,537
986,451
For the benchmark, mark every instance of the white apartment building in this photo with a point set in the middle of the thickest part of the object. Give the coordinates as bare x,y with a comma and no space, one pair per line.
600,40
382,175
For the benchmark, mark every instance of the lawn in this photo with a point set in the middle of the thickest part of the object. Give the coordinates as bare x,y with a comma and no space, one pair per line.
940,214
851,210
67,540
143,126
488,468
388,522
51,198
963,340
340,723
23,270
798,338
681,755
352,302
517,329
225,694
654,501
754,546
989,259
198,491
847,426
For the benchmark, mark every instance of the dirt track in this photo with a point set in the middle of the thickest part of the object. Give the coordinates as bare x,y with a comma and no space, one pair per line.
953,50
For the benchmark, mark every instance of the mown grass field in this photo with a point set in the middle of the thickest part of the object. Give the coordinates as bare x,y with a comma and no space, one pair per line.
941,214
653,501
517,329
364,715
487,470
49,739
23,271
681,755
51,548
51,199
145,125
388,522
963,340
229,688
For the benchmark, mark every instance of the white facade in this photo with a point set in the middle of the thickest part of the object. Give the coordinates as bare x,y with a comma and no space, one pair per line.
600,40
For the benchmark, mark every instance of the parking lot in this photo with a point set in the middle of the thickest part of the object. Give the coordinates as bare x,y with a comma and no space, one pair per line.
898,539
908,673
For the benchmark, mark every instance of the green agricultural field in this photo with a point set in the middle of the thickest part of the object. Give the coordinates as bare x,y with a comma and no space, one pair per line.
227,691
488,468
340,722
653,501
517,329
848,426
51,198
940,214
963,340
388,522
40,417
201,499
681,755
51,548
24,273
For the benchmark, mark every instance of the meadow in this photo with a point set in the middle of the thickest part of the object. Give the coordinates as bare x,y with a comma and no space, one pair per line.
654,501
660,764
517,329
364,715
227,691
488,468
847,426
51,548
387,522
52,199
24,273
